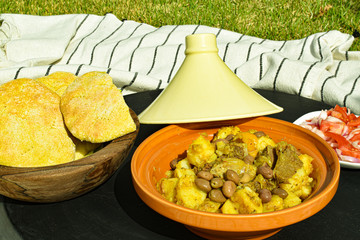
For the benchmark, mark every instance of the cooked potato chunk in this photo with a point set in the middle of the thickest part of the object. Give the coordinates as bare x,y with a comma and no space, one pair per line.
291,200
223,132
264,141
187,194
229,208
166,187
209,206
183,168
301,183
200,152
247,201
183,164
180,172
276,203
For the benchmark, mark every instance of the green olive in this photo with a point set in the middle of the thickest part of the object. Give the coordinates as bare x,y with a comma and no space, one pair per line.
249,159
280,192
203,184
228,188
259,134
266,171
216,182
231,175
205,175
217,196
245,178
265,195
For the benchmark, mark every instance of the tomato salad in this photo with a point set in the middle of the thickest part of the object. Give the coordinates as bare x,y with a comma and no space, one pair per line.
341,129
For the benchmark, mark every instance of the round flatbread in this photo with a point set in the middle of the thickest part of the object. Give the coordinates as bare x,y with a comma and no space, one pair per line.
32,131
58,81
94,109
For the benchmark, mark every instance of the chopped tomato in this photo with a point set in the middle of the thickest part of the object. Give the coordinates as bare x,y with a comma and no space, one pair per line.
342,113
354,122
352,116
336,114
334,127
340,126
350,151
355,138
344,145
341,141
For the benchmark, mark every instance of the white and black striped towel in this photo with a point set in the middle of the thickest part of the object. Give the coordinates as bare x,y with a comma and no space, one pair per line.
141,57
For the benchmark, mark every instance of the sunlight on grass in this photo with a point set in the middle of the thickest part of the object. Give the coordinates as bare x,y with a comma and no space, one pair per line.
271,19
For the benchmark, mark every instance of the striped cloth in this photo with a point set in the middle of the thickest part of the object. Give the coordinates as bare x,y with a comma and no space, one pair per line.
141,57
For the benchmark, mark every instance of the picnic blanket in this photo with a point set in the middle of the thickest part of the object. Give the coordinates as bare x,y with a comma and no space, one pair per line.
141,57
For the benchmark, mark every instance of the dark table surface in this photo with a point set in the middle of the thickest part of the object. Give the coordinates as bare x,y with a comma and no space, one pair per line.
114,210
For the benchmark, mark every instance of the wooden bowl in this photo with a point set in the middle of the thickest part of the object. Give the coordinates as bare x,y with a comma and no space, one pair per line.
69,180
151,160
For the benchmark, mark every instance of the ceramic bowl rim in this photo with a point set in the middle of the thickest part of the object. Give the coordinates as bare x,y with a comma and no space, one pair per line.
331,187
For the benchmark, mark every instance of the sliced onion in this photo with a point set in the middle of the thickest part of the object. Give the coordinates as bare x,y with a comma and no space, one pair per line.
333,119
353,133
323,115
345,131
350,159
314,126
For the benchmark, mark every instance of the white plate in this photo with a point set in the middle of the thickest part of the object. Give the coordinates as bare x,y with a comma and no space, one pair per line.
310,115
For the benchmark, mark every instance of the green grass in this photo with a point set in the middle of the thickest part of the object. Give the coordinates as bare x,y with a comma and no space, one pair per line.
271,19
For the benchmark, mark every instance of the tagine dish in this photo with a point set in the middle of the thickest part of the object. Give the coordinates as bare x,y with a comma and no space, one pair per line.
238,179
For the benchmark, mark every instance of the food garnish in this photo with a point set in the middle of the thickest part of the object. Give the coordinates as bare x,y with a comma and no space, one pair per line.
341,129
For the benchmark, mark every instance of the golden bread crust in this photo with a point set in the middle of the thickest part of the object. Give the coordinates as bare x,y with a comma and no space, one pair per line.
94,109
31,126
57,81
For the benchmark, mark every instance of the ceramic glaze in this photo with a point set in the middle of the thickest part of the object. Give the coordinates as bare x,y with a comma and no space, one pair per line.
151,160
205,89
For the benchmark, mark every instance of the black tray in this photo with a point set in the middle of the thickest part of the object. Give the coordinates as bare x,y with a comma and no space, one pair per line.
114,211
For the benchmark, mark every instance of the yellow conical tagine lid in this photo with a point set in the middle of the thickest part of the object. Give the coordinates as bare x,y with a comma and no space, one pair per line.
205,89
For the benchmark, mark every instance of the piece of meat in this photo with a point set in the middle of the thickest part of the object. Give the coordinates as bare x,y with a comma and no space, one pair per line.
287,162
